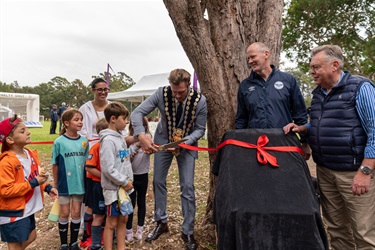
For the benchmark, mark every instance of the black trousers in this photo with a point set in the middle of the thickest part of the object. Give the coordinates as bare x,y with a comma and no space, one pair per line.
53,127
140,184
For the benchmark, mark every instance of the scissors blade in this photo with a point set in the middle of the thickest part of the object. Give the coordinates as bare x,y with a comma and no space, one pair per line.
170,145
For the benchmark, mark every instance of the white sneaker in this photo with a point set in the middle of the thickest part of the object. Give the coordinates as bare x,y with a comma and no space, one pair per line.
139,233
129,235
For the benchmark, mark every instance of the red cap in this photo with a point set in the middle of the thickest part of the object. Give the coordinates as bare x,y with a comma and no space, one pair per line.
6,127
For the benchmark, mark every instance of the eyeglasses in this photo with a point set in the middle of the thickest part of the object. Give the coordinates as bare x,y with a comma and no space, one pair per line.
101,90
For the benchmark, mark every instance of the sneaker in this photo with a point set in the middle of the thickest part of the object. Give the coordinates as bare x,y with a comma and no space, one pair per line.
139,233
74,246
129,235
85,243
64,247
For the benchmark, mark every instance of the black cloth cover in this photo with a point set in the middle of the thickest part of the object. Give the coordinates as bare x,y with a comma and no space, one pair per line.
264,207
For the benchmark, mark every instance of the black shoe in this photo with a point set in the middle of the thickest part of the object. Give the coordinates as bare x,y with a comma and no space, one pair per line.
74,246
190,243
158,230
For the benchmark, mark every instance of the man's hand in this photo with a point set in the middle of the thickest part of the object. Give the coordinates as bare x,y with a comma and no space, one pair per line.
361,183
294,128
146,144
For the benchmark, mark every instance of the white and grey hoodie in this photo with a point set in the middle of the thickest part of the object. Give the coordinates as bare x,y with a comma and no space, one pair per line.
115,162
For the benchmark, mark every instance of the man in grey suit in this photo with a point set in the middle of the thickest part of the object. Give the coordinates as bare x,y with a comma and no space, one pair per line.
183,113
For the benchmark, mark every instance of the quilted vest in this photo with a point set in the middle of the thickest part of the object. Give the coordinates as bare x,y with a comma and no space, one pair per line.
337,138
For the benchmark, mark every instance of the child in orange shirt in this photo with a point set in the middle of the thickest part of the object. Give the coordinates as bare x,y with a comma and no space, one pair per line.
95,198
21,185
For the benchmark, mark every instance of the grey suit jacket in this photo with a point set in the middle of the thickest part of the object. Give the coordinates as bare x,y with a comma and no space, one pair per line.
161,134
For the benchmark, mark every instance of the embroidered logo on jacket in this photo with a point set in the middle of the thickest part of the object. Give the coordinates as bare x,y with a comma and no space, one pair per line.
251,89
278,85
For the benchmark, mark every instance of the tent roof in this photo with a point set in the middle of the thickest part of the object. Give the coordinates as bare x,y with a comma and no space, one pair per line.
142,89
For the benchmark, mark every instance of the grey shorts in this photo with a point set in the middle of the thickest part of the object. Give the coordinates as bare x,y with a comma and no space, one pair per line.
66,199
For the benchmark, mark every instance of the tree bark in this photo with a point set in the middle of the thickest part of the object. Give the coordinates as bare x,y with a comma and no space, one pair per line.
215,35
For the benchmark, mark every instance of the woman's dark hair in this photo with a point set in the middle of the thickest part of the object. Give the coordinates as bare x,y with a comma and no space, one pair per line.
96,81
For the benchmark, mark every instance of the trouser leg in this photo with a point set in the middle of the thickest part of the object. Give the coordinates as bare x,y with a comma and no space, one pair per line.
186,167
162,163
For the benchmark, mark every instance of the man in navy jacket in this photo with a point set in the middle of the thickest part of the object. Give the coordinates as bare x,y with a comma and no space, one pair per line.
269,98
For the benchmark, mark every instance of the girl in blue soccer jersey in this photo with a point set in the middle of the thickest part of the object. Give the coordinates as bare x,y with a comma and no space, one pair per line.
69,155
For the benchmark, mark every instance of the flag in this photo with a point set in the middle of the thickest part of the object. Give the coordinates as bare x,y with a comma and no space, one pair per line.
107,73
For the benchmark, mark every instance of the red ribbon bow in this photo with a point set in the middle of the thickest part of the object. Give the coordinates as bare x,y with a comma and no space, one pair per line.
262,155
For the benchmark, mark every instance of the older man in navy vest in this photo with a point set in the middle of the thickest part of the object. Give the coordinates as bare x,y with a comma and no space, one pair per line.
342,139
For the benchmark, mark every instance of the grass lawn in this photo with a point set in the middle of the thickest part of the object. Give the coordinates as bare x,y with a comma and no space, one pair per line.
42,135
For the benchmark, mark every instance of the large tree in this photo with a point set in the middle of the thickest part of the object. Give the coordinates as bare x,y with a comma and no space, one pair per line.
215,35
347,23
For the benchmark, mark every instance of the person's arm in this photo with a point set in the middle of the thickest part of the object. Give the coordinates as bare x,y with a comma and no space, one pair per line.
86,122
55,175
242,116
130,140
137,120
93,170
143,110
8,185
55,150
366,109
302,131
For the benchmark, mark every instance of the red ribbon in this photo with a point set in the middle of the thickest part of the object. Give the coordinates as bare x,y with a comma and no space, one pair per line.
262,155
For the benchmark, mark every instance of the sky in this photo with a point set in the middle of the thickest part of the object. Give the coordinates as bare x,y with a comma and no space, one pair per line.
76,39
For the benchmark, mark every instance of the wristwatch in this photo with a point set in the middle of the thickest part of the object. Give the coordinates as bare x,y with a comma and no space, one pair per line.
366,170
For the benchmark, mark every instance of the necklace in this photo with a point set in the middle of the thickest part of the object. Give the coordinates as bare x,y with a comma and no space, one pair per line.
175,133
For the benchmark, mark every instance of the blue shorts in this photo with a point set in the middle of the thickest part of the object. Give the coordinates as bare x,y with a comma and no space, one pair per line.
96,198
19,230
113,209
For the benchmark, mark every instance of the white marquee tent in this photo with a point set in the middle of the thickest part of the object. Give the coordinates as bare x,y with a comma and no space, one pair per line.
24,105
142,89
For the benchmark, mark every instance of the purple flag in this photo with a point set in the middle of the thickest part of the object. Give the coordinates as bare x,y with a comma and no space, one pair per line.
107,73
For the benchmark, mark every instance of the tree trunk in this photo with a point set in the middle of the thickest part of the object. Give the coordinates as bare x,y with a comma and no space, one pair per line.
215,35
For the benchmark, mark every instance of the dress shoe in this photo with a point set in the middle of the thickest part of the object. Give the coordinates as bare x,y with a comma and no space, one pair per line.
190,243
158,230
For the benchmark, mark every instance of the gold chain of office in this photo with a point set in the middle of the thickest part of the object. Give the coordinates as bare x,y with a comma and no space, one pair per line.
175,133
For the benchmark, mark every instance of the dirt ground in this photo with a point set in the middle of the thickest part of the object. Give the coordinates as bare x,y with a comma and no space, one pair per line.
48,236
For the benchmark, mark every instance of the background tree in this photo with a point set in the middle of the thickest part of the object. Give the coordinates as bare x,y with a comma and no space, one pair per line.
10,88
305,83
59,90
347,23
215,35
118,81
